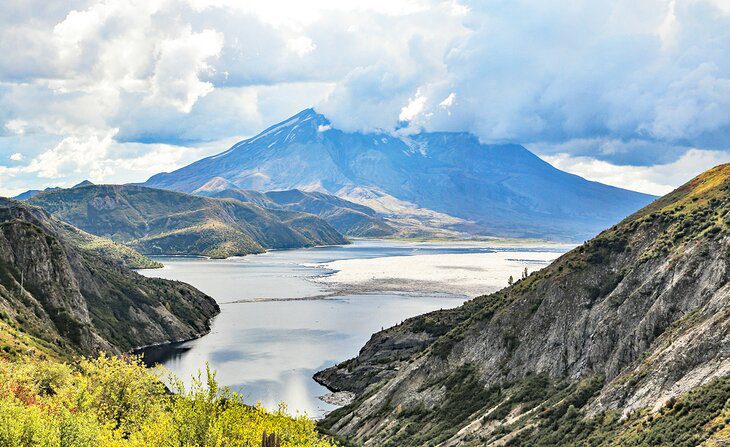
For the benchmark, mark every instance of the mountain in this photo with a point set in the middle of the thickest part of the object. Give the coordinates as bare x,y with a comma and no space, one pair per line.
61,299
158,222
34,192
442,180
60,306
31,193
624,340
82,183
350,219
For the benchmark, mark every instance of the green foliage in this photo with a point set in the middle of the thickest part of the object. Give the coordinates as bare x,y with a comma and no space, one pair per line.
700,415
117,402
431,326
156,222
107,248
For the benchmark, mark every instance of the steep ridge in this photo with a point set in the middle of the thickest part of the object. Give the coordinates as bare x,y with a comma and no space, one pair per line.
155,221
61,299
618,339
443,180
350,219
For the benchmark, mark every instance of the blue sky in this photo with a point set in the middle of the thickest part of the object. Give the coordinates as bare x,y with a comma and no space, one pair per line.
635,94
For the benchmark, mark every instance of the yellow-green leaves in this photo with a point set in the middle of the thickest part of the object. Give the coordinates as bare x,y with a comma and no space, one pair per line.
117,402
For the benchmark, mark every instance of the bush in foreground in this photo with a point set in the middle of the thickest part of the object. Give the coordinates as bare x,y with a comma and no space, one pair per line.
117,402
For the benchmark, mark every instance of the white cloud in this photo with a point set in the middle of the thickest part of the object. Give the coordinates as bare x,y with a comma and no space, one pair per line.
301,45
176,80
531,71
658,179
75,154
16,156
413,108
100,159
16,126
449,101
627,83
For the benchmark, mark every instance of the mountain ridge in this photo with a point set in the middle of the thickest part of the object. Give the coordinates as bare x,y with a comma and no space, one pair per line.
349,218
621,327
71,301
453,179
159,222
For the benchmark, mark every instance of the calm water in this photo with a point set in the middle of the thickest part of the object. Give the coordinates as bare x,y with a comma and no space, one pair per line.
269,349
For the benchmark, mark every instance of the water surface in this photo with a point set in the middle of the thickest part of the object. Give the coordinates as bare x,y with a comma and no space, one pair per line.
266,345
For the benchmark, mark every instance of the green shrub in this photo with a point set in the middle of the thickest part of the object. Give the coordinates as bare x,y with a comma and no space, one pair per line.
117,402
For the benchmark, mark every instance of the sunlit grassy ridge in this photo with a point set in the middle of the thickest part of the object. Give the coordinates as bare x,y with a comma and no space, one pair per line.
158,222
117,402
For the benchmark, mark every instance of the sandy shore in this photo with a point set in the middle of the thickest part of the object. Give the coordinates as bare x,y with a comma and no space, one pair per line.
462,274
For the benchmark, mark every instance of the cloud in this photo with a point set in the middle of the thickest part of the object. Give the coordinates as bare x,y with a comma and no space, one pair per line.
96,157
632,84
76,154
181,60
533,72
658,179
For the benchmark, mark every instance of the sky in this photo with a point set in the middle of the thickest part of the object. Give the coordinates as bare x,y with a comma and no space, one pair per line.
631,93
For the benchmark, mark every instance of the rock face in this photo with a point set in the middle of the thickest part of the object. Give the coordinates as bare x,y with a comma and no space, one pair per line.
158,222
437,180
349,218
75,301
629,320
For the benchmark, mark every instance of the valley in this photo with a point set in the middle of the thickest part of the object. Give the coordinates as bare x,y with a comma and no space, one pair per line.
279,325
402,223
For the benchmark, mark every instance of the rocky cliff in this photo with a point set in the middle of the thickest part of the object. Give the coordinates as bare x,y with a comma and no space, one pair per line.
599,346
63,299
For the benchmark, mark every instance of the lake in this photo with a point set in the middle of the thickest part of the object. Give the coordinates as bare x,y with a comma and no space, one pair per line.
277,327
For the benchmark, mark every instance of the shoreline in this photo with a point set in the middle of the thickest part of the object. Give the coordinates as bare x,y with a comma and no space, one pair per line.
463,274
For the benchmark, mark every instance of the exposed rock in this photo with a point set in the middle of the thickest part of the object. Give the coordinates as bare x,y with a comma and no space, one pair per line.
630,319
339,398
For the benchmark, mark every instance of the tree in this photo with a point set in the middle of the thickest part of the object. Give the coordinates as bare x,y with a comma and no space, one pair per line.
511,280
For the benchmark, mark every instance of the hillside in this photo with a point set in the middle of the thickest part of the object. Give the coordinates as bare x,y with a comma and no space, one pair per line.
61,299
624,340
160,222
350,219
441,182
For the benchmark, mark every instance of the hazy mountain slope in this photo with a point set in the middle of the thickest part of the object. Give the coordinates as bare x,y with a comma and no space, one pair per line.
73,301
156,221
32,193
449,180
624,323
349,218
